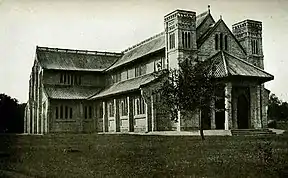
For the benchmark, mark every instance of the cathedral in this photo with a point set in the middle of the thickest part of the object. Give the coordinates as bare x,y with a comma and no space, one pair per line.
81,91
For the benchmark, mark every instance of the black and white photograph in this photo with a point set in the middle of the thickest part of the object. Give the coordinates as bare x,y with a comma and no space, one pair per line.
143,88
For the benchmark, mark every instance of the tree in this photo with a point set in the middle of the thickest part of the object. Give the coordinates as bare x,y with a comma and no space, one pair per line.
11,115
277,109
190,88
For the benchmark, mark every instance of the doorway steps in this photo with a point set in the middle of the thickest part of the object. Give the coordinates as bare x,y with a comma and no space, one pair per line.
252,132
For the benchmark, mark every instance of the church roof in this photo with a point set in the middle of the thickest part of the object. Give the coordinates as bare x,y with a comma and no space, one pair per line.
68,92
201,17
83,60
80,60
144,48
149,46
126,86
226,65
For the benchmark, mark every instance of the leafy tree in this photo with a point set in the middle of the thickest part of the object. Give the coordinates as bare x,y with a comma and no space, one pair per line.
11,115
190,88
277,109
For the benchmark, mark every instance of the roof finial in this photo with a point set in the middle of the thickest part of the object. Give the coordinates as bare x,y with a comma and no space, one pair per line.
221,17
209,8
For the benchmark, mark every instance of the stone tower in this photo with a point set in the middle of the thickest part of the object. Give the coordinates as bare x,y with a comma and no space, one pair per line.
180,37
249,34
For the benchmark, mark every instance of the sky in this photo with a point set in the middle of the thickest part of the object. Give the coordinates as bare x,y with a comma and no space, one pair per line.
114,25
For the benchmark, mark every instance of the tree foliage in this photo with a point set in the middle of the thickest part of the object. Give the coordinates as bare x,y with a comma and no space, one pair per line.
11,115
189,88
277,109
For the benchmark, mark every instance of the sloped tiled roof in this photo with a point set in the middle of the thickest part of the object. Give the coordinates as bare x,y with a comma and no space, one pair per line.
67,59
201,17
150,45
226,65
146,47
126,86
69,92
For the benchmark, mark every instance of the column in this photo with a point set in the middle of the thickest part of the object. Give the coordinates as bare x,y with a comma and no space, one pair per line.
32,117
28,119
255,119
264,106
116,115
212,113
258,123
41,114
25,120
130,114
153,114
95,115
235,124
228,106
81,117
148,116
48,120
105,117
36,117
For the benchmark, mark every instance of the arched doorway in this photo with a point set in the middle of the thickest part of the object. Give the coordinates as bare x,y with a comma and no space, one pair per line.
242,112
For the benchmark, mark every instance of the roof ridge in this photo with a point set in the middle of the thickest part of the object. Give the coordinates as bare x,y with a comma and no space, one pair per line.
78,51
247,63
207,33
142,42
69,86
203,13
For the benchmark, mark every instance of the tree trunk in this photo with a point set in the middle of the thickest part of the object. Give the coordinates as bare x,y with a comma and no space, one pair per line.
201,126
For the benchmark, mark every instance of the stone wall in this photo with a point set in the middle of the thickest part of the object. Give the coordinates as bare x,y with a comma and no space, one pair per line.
78,123
207,49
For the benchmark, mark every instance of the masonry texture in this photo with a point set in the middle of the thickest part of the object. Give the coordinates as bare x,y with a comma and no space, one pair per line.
91,91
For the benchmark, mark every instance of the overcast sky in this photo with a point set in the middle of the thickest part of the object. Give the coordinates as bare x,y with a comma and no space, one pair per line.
114,25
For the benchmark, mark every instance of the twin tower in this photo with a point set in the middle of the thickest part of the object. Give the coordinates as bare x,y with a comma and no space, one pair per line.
181,30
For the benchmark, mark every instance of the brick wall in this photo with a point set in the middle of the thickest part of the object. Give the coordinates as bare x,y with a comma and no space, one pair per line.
208,47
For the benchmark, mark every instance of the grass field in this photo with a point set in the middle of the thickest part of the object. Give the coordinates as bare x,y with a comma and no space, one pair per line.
143,156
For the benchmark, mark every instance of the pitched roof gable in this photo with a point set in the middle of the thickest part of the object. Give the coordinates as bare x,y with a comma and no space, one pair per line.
203,18
78,60
206,35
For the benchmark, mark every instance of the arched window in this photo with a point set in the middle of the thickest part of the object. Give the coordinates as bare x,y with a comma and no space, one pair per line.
216,41
61,112
64,78
66,112
72,79
111,109
183,39
137,107
71,113
61,78
256,49
172,41
221,41
122,109
90,112
56,113
226,42
189,41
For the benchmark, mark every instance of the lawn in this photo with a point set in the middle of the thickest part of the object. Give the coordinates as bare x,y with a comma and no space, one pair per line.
68,155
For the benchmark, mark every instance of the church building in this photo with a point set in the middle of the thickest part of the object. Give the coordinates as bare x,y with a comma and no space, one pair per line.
80,91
